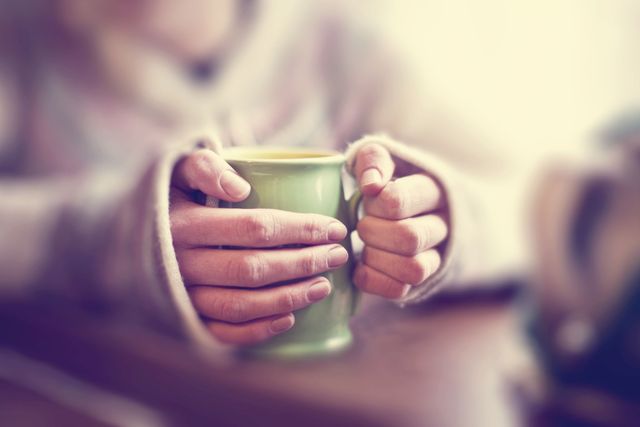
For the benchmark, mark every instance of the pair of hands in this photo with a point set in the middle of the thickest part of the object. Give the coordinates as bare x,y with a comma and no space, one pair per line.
229,287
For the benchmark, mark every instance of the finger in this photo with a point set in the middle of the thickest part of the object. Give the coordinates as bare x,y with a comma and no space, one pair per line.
405,197
405,237
373,168
412,270
372,281
250,332
202,226
240,305
204,170
255,268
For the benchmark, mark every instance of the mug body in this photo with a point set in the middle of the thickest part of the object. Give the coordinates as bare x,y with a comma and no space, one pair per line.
304,181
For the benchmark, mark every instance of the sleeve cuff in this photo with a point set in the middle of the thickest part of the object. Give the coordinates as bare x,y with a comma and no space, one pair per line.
190,324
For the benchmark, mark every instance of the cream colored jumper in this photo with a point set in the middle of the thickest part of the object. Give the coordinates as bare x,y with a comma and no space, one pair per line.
84,190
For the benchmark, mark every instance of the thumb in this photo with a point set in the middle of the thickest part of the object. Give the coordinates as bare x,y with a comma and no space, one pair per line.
373,168
204,170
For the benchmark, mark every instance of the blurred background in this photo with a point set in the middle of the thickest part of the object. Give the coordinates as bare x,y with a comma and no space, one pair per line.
551,84
543,75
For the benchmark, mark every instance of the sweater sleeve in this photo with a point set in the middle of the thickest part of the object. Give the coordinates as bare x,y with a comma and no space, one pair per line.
100,241
485,184
478,253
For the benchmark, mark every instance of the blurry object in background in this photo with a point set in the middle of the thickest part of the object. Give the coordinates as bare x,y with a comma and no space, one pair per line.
625,133
587,295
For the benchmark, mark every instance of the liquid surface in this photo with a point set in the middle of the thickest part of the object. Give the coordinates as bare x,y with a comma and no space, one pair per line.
276,155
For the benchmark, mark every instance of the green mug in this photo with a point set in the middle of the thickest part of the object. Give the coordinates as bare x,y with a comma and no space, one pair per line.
305,181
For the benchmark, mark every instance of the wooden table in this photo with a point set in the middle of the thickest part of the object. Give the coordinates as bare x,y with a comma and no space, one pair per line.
446,363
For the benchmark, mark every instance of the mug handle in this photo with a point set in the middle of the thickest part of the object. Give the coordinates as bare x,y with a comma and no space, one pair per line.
353,206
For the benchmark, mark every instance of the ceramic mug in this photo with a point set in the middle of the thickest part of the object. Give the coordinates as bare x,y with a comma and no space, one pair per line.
305,181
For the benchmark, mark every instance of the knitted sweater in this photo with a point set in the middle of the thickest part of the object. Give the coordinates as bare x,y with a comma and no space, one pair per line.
86,169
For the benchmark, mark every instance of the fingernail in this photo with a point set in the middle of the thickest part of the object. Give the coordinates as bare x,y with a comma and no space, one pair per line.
337,256
318,290
282,324
234,185
337,231
370,176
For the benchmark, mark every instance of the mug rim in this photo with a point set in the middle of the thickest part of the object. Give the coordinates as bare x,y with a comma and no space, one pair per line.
324,156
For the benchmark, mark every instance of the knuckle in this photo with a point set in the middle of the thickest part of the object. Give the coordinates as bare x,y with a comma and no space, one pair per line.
370,153
392,201
313,230
286,302
309,264
429,235
416,270
200,162
435,261
231,309
250,270
262,229
409,240
430,186
254,268
445,228
201,156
